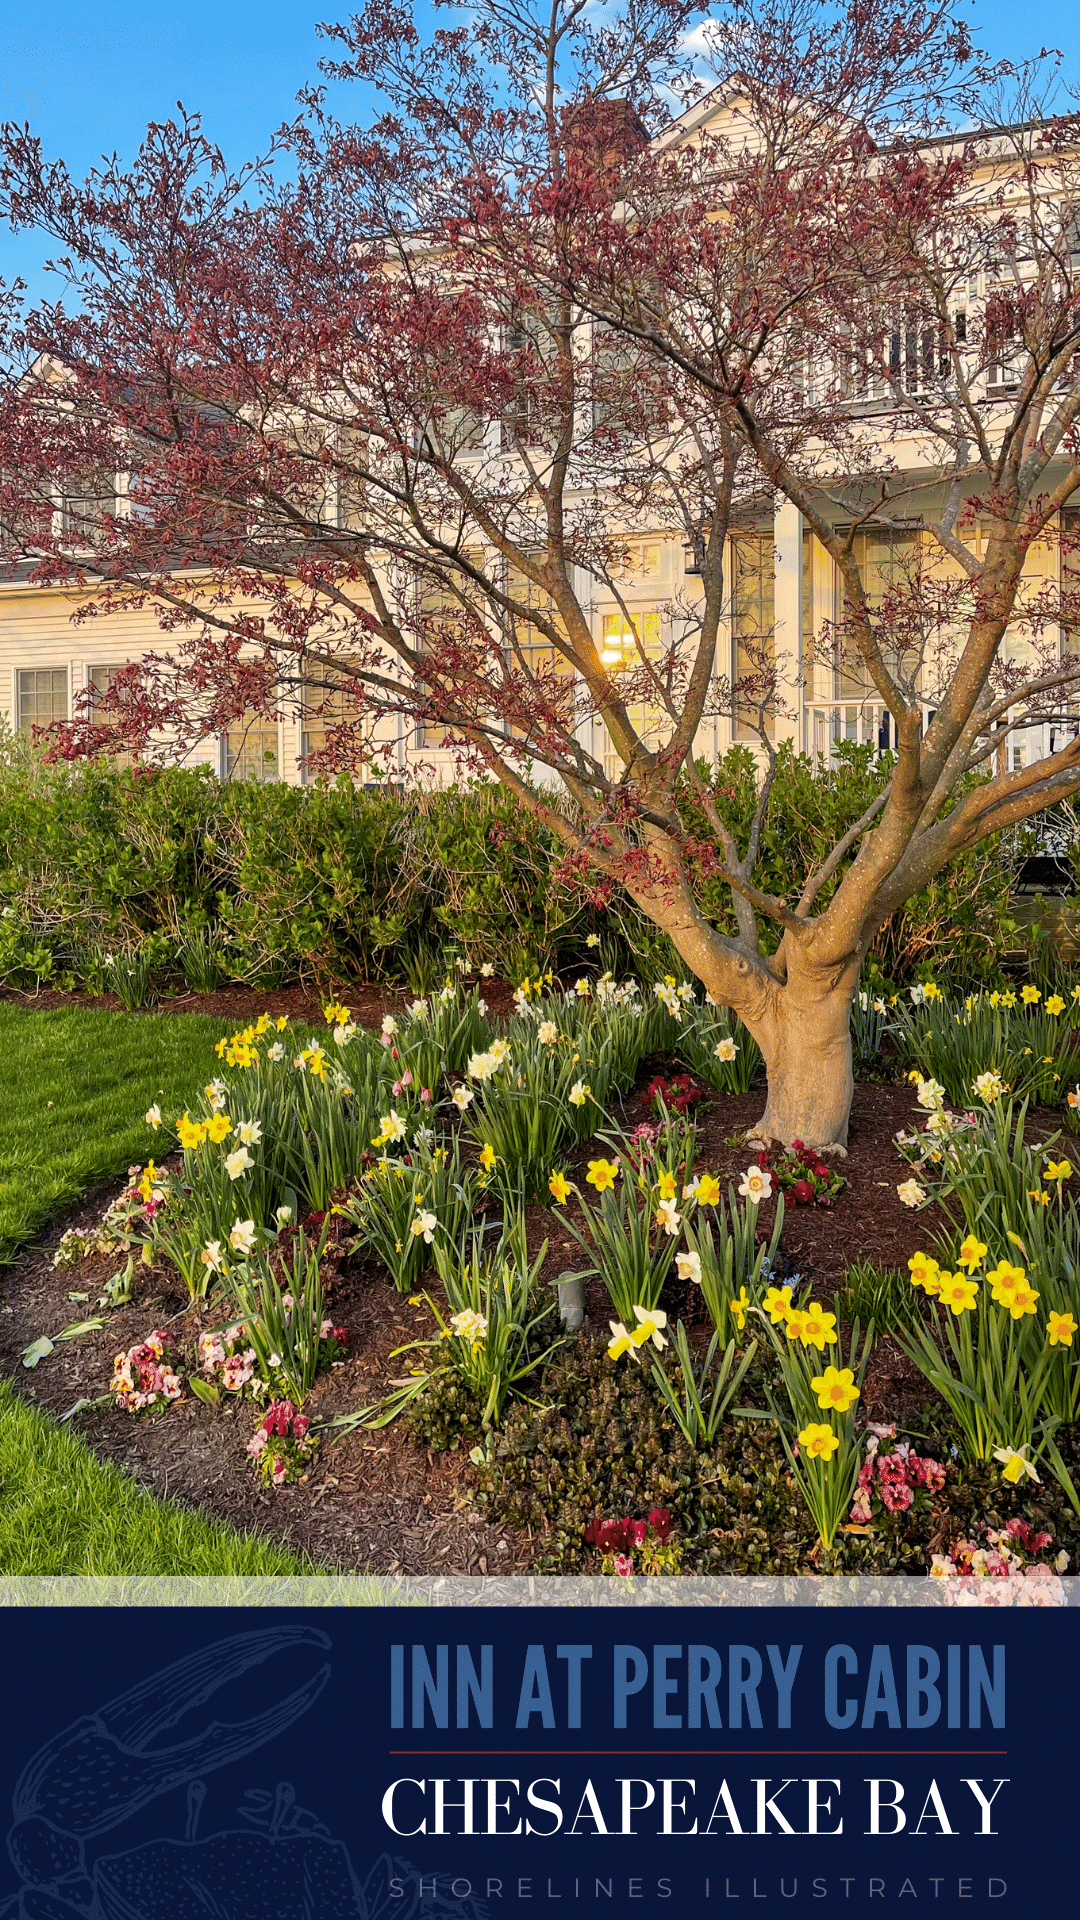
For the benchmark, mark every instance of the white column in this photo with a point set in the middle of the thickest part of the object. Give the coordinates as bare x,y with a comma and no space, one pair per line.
787,614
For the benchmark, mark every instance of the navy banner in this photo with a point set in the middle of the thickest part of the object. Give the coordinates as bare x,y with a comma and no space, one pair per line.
352,1762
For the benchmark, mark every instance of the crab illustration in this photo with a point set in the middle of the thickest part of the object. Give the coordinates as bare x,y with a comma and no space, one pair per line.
106,1766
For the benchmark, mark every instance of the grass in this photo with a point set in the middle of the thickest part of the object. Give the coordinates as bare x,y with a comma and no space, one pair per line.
77,1084
62,1511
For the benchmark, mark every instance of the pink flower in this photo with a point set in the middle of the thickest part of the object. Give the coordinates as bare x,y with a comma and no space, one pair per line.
861,1510
897,1496
624,1565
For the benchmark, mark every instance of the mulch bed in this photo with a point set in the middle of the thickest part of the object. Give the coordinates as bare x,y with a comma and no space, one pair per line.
381,1502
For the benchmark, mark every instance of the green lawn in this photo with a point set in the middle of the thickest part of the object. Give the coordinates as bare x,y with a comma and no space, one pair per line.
63,1511
76,1087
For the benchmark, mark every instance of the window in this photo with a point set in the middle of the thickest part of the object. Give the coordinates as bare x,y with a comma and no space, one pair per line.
99,683
83,506
329,700
249,751
753,633
526,648
41,695
620,652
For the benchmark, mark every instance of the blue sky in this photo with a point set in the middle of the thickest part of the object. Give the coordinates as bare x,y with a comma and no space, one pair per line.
88,79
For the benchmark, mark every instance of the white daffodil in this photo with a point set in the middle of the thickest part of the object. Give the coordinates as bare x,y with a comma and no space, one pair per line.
688,1266
249,1133
668,1216
389,1025
392,1126
216,1094
579,1093
462,1097
343,1034
276,1052
989,1087
621,1342
910,1194
547,1033
650,1326
238,1163
930,1095
282,1217
211,1256
726,1049
756,1184
242,1236
152,1116
487,970
1015,1464
424,1225
469,1325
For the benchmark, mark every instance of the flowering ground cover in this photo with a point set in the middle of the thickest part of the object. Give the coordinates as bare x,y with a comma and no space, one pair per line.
327,1305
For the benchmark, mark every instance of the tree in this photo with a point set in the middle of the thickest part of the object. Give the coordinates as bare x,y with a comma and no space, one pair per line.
396,415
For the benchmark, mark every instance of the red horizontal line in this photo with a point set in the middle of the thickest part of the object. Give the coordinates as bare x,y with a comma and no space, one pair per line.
699,1753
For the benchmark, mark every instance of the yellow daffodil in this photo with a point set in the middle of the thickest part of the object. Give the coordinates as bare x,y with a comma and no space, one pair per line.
1004,1279
190,1133
972,1253
819,1442
1055,1004
836,1389
794,1323
559,1189
1060,1328
665,1186
932,991
777,1304
602,1174
708,1190
219,1128
924,1271
1041,1199
149,1180
1008,999
1023,1300
957,1292
739,1308
1058,1170
1030,996
487,1157
819,1327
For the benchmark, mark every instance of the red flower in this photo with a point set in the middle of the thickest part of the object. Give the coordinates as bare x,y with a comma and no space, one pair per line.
802,1193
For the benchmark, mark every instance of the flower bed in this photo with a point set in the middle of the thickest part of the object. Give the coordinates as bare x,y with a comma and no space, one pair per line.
729,1293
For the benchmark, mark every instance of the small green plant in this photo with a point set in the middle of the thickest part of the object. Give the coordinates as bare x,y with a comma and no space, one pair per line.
488,1323
131,975
818,1426
279,1302
878,1294
724,1259
402,1210
992,1354
699,1406
716,1047
201,960
625,1236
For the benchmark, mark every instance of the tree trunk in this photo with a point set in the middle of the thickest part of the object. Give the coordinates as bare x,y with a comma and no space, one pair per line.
804,1034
